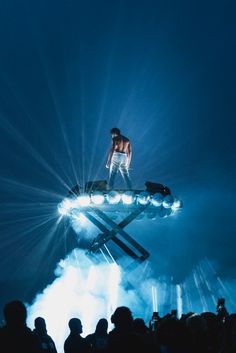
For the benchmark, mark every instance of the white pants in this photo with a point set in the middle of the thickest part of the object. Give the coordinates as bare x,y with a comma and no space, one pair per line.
119,162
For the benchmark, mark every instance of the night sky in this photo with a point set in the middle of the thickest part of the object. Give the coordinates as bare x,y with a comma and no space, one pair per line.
161,71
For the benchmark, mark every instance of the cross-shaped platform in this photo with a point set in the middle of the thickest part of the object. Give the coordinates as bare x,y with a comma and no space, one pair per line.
100,208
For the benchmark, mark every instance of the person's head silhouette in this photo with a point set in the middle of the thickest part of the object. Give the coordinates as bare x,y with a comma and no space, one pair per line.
75,326
102,326
15,313
40,325
122,317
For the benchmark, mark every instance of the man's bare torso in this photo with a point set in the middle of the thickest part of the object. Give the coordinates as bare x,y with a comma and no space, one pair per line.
120,144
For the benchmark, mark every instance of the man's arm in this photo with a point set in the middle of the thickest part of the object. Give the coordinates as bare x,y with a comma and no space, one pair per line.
110,154
129,154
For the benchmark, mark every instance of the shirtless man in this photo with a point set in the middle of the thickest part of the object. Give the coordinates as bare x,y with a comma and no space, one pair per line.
119,158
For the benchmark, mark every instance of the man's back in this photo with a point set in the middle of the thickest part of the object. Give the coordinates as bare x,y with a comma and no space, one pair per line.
121,144
119,158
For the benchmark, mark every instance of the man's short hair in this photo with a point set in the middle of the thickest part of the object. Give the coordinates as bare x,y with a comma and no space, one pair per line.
115,130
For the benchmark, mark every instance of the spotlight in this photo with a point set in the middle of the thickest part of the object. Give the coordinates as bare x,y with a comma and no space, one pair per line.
128,197
97,198
168,201
113,197
83,200
143,198
65,206
177,204
157,199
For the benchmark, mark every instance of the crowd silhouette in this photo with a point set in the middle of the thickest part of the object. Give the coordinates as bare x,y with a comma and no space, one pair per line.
192,333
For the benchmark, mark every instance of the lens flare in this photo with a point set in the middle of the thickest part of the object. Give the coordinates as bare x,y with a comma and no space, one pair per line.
65,206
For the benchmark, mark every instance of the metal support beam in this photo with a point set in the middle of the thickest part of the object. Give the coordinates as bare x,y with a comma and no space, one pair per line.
118,228
101,239
130,246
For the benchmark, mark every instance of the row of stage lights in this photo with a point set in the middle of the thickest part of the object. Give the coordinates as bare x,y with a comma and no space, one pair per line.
113,198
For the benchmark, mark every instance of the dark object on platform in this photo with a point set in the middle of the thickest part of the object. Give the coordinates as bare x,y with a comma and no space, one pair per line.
98,185
156,187
75,190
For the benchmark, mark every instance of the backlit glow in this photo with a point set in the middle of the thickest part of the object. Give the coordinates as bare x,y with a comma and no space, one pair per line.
128,197
83,200
177,204
168,201
97,198
65,206
157,199
113,197
143,198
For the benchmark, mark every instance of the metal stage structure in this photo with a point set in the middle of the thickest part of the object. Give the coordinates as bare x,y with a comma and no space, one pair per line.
102,208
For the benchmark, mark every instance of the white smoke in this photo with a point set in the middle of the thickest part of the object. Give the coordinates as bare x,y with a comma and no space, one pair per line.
90,291
84,290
